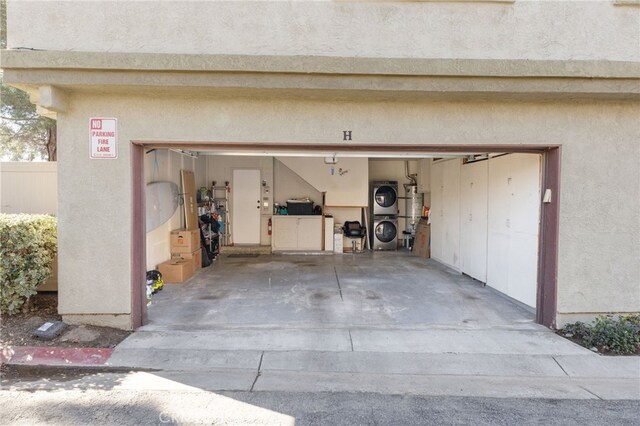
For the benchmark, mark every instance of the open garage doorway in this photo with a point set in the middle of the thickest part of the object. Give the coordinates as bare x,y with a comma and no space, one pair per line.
514,252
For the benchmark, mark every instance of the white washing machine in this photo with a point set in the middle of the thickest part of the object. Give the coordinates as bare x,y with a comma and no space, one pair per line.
385,233
385,198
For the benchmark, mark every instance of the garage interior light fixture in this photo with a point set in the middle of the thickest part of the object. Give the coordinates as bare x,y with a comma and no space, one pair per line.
190,154
476,157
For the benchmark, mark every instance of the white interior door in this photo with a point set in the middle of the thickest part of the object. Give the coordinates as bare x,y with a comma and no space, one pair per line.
246,206
474,205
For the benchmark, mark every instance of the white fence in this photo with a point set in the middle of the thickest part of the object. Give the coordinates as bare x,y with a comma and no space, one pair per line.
29,187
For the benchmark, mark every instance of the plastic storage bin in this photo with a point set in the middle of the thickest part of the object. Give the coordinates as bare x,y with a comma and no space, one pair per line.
299,208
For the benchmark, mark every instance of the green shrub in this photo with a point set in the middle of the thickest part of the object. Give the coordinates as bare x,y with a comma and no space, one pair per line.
577,330
28,244
618,335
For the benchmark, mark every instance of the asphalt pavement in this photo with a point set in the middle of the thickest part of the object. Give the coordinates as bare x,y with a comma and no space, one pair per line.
189,407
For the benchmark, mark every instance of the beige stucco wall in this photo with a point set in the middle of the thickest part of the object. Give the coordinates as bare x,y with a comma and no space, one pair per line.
94,227
600,201
450,29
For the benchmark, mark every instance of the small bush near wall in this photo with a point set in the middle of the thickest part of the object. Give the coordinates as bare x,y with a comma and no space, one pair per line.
28,244
607,334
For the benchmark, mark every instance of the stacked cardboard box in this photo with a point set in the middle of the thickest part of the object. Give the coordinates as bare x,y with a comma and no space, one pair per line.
195,258
185,240
186,256
176,270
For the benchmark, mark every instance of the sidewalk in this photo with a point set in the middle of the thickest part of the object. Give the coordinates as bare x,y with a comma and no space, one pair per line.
436,362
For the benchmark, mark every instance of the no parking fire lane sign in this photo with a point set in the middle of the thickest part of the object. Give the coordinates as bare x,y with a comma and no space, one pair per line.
104,138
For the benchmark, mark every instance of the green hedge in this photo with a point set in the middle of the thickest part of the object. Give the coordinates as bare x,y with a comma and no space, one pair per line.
28,244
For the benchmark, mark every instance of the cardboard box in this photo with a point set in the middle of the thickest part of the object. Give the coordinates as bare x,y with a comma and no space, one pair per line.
176,270
195,258
422,243
185,240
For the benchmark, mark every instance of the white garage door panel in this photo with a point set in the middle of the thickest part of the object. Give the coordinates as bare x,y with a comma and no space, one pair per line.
473,215
523,268
498,231
498,261
514,211
525,204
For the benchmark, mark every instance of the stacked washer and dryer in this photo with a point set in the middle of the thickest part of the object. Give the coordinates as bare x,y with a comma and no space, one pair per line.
385,215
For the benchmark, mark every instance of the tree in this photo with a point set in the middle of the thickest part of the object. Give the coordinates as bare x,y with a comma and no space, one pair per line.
24,134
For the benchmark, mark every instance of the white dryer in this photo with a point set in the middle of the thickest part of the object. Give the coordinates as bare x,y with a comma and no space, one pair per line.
385,198
385,233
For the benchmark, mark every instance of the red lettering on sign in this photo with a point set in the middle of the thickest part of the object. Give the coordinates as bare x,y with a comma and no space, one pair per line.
104,137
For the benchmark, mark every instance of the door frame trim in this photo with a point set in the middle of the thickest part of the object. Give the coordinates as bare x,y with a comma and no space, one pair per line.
546,301
138,239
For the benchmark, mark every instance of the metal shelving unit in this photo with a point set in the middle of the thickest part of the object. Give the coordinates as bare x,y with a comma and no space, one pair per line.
221,202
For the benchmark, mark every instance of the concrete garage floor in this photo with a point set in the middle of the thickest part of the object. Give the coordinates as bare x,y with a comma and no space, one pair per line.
383,290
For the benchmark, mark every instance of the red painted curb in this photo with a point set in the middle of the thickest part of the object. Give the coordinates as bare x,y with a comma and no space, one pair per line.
38,355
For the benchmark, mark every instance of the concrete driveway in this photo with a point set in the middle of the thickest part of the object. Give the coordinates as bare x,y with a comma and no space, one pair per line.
378,322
